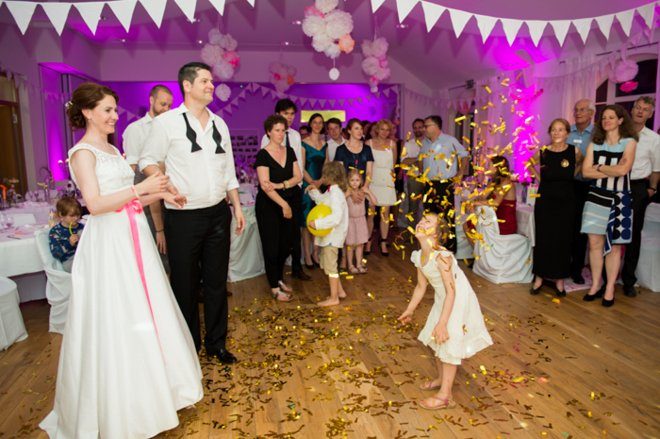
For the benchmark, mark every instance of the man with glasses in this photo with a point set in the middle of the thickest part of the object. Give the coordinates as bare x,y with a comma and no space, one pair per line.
443,160
644,177
580,137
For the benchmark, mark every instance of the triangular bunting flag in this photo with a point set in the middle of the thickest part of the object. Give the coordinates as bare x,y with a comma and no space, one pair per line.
91,13
646,12
57,14
375,4
123,10
155,9
561,29
458,20
251,2
386,92
331,102
583,26
404,7
219,6
188,8
511,28
22,13
264,90
605,24
485,25
536,28
432,13
625,20
342,102
303,101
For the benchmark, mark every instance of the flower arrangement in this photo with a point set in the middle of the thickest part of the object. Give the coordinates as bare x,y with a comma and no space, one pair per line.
375,64
330,28
220,53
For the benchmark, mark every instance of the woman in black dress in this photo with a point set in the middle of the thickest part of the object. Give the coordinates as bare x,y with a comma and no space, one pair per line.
279,176
554,210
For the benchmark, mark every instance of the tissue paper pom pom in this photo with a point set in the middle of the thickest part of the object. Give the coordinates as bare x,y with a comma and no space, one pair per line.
346,43
227,42
311,10
382,73
332,51
215,36
313,25
628,86
320,42
211,54
624,71
223,70
338,23
232,58
370,65
379,47
326,6
223,92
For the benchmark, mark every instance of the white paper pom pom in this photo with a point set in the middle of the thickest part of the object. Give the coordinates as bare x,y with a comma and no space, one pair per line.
223,70
313,25
370,65
223,92
321,42
334,73
338,23
326,6
332,51
211,54
215,36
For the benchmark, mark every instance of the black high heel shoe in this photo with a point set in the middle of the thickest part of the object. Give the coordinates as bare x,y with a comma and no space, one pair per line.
534,291
310,266
558,292
591,297
380,245
607,303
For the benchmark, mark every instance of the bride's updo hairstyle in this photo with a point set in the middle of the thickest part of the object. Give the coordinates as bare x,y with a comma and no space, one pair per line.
86,97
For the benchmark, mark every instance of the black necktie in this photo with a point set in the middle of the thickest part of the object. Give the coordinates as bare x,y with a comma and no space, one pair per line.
287,139
192,136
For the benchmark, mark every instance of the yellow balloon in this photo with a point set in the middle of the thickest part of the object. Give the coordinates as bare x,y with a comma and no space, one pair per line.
319,211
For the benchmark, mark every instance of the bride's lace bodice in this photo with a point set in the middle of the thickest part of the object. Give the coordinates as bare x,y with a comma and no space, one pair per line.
112,171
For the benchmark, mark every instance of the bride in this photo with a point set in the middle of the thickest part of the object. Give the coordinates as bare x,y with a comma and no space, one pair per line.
127,361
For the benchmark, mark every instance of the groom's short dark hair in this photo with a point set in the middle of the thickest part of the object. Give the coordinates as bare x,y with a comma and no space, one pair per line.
189,72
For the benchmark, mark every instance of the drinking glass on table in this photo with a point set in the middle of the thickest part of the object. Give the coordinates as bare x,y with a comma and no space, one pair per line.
9,221
3,221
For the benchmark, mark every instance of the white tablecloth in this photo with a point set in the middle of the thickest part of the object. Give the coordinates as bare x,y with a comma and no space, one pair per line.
40,210
648,267
19,259
246,259
525,220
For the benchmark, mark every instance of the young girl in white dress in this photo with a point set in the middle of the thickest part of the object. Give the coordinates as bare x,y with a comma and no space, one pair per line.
455,328
127,361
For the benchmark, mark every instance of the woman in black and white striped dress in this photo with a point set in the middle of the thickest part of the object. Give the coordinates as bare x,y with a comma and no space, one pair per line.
607,215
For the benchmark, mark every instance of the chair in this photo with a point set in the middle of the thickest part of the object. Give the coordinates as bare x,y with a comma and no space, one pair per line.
12,328
501,258
58,288
648,267
22,219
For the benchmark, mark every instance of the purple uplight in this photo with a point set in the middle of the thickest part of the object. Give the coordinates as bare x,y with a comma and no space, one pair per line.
525,141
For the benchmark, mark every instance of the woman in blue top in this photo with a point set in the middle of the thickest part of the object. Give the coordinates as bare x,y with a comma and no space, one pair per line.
607,215
314,148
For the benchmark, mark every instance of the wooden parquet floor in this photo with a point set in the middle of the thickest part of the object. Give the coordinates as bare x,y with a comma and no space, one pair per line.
558,368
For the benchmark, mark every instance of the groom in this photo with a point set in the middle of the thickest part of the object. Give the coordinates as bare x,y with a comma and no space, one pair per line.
192,146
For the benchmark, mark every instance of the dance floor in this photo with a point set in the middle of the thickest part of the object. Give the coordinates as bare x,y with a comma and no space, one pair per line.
558,368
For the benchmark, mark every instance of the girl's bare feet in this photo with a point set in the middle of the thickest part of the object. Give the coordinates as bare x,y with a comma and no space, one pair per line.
437,402
431,384
329,302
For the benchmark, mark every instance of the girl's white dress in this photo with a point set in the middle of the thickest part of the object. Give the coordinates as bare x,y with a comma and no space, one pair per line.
467,330
127,361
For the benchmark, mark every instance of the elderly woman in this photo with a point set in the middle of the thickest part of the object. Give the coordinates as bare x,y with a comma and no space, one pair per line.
384,151
279,176
554,210
607,216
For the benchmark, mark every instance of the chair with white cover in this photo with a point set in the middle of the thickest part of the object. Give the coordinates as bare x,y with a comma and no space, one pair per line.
23,219
58,288
501,258
648,267
12,328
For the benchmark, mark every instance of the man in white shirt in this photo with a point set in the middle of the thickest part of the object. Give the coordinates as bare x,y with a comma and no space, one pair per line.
335,140
287,109
409,157
160,101
644,177
194,146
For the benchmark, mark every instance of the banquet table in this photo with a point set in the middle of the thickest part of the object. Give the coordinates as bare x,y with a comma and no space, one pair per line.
19,259
40,210
246,260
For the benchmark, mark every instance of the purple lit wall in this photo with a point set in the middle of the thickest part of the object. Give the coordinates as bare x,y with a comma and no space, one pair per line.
53,124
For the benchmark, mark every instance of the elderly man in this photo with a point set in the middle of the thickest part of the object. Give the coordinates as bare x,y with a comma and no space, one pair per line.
644,177
580,137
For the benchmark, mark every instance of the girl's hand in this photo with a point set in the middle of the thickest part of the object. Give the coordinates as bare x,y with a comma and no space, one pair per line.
178,200
286,211
310,187
406,317
440,333
317,183
312,225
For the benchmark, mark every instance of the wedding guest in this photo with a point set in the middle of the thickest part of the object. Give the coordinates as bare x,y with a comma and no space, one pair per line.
192,146
335,138
127,360
382,184
410,160
287,109
580,137
444,160
608,210
135,134
554,210
64,236
305,130
315,155
279,176
644,178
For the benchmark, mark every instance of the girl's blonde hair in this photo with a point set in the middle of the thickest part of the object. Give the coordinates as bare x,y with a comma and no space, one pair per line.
351,173
334,173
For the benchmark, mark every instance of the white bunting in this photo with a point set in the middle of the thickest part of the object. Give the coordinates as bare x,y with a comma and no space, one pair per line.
90,13
605,24
219,6
123,10
536,28
583,26
458,20
511,28
485,24
155,9
404,7
57,14
625,20
375,4
22,13
432,13
188,8
251,2
646,12
561,29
